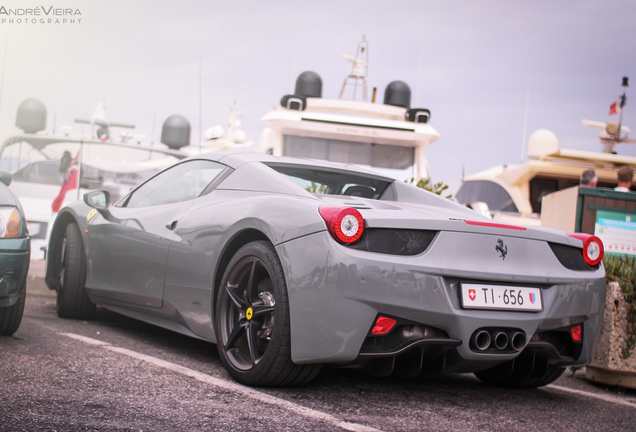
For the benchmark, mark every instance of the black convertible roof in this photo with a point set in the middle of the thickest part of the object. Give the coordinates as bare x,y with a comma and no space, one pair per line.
234,159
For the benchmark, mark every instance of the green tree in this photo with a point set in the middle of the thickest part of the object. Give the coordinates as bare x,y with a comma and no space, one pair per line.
426,184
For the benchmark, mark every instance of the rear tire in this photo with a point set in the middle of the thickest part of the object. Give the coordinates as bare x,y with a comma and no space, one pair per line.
72,299
11,316
252,321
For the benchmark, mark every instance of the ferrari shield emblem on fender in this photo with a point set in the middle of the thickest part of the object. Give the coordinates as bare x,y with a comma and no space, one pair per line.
502,249
91,214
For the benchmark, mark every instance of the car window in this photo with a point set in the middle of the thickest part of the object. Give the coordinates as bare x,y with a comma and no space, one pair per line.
181,182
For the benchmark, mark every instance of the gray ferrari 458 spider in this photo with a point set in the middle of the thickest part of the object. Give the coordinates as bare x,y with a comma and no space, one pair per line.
288,264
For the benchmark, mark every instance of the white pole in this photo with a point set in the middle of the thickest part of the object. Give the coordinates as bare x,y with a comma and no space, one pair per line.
200,96
419,70
525,119
79,168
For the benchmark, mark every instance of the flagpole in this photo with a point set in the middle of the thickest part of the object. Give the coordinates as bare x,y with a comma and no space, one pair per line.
625,84
620,121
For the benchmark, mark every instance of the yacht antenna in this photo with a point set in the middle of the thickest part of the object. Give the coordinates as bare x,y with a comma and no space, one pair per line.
612,133
358,75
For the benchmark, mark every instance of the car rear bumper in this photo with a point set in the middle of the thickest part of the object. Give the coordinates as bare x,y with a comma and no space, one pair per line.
336,294
15,257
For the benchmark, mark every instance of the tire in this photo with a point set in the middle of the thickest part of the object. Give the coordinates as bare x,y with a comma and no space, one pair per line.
527,372
72,299
11,316
252,321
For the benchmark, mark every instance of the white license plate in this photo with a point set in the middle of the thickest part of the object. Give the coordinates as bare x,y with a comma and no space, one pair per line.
478,296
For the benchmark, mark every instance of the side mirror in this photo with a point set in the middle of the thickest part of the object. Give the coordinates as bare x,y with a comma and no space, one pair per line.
5,177
99,199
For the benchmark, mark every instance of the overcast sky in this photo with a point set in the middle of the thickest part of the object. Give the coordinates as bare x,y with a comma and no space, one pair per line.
478,58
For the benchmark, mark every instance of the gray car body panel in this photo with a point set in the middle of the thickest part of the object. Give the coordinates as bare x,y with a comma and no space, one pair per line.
336,292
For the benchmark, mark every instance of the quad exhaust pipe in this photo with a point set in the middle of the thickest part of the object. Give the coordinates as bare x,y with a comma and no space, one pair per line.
493,339
482,340
518,341
501,341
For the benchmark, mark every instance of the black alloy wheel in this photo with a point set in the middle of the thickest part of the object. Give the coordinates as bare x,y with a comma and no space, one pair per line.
249,313
252,321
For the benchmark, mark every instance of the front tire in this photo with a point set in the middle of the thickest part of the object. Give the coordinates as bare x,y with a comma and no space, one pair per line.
72,299
252,321
11,316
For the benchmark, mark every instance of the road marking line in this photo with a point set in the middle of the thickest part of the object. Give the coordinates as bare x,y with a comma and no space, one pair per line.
227,385
85,339
606,398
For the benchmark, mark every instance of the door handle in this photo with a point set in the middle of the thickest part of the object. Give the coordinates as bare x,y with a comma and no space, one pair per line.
172,226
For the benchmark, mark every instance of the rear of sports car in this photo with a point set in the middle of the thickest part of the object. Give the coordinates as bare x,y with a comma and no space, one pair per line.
409,289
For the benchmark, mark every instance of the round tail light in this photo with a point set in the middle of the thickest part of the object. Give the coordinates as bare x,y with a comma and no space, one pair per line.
592,248
344,223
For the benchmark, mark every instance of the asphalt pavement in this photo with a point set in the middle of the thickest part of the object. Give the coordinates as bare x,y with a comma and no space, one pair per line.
117,374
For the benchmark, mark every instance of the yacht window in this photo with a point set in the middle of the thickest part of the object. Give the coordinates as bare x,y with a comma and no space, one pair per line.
17,155
45,172
541,186
486,191
359,153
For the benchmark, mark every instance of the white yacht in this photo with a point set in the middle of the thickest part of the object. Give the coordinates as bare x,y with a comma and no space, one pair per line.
389,136
40,164
513,193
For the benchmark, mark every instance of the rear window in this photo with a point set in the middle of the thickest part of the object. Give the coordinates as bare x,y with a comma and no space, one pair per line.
333,182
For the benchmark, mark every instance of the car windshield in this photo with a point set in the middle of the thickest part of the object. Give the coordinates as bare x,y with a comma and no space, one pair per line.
321,180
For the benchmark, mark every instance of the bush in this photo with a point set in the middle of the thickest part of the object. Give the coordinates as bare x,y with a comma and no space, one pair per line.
622,269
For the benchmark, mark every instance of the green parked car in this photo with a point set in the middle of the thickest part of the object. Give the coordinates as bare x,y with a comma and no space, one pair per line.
15,257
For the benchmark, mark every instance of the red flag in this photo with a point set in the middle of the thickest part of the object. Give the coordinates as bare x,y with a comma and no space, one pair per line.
617,107
71,183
